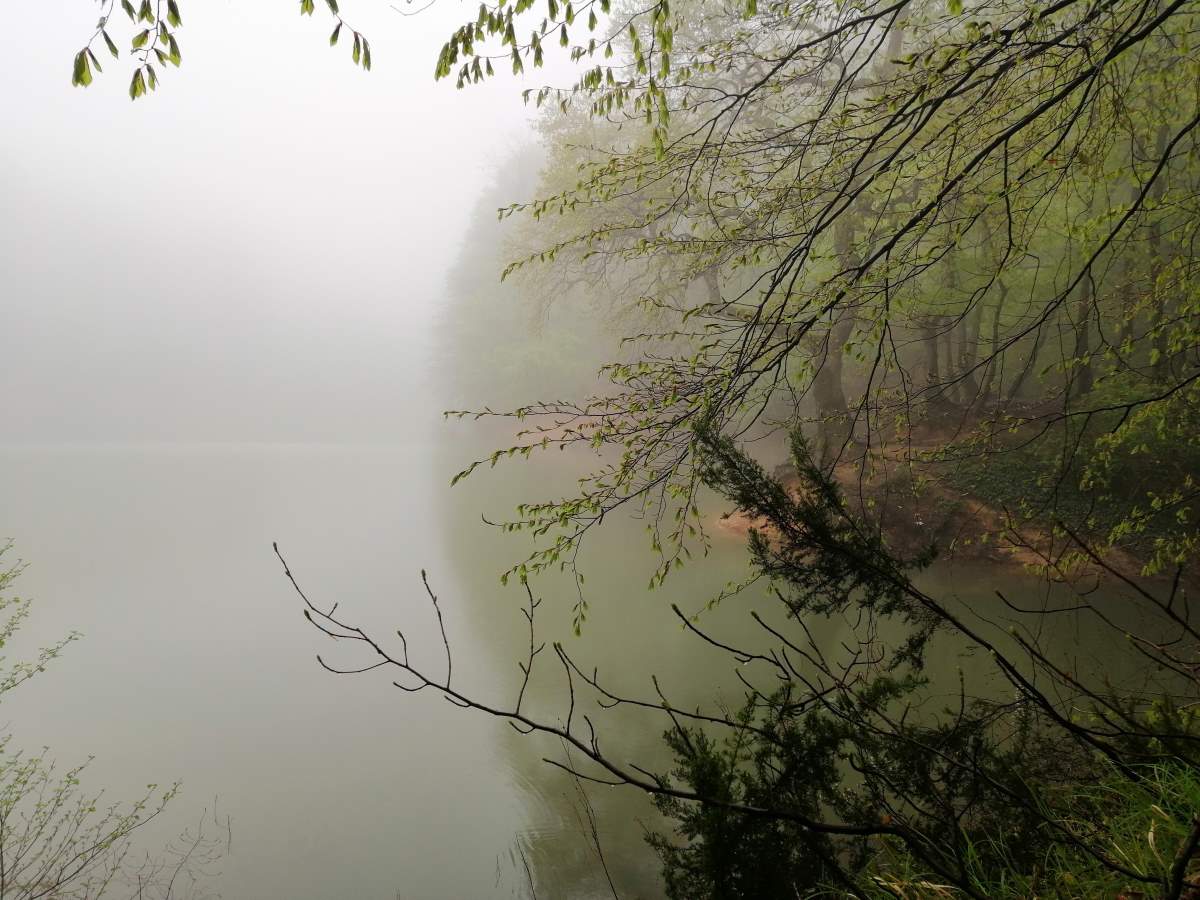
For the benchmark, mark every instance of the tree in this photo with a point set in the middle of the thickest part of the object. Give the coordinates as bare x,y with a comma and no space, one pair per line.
57,839
863,182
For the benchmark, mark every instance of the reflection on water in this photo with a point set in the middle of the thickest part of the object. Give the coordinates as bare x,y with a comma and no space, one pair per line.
197,664
632,634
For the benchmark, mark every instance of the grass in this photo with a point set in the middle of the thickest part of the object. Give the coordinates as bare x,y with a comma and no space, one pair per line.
1145,822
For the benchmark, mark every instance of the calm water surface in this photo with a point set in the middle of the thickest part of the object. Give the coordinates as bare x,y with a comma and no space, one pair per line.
197,664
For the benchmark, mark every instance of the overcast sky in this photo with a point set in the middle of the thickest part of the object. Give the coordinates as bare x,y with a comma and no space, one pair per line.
254,252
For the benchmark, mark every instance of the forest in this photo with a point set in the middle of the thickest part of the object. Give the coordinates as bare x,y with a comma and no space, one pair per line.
879,287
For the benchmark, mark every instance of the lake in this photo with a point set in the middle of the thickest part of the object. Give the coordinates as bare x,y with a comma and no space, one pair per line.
197,664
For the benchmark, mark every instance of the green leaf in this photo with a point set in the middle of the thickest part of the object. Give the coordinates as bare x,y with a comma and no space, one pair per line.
366,59
140,39
81,75
145,12
112,48
137,86
173,14
173,55
95,62
306,7
356,53
153,77
333,7
333,38
955,7
128,7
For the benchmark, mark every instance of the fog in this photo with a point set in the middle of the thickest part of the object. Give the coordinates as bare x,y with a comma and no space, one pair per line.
233,311
225,325
255,252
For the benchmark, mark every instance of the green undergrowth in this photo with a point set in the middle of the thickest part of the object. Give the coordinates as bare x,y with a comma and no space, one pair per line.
1032,488
1147,816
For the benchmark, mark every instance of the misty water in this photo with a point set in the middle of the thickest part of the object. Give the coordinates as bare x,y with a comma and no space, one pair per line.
197,664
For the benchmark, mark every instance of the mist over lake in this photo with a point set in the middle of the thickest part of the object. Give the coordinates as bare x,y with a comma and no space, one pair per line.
599,451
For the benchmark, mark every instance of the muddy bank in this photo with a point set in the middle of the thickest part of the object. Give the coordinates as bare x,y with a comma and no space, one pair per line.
914,507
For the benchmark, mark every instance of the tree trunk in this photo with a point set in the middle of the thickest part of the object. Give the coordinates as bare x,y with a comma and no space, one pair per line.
1158,262
1027,367
1083,377
995,357
968,354
713,284
829,393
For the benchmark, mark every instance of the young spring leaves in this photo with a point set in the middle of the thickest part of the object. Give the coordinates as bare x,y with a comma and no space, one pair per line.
153,40
153,43
360,50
